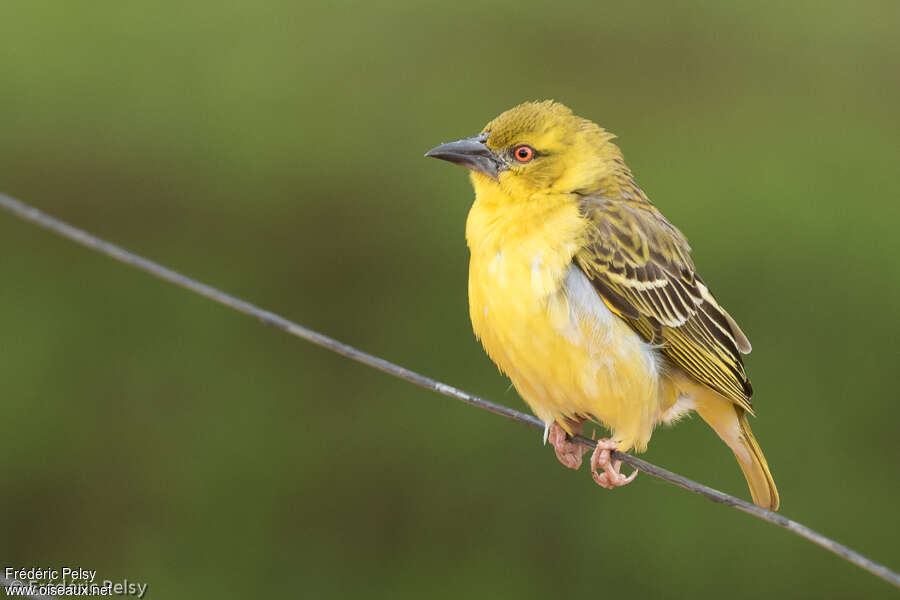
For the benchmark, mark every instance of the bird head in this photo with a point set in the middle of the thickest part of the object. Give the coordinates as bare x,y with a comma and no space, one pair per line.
536,147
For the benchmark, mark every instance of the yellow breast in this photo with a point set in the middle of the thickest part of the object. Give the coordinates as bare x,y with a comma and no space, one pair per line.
543,324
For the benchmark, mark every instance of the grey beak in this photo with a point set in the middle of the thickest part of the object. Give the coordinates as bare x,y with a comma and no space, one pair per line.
471,153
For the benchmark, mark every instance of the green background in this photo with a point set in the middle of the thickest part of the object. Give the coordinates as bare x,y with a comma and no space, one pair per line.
274,149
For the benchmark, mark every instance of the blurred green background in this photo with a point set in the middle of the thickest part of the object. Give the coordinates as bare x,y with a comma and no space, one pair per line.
274,149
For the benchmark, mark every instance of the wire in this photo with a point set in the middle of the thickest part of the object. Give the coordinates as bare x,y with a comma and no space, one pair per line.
35,216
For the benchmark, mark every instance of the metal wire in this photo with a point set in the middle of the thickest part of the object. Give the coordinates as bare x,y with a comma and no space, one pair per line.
35,216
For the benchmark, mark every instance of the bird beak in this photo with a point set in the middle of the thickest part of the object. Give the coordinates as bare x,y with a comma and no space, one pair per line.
471,153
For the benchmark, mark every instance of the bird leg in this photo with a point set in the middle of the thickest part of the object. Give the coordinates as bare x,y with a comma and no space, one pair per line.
568,452
610,478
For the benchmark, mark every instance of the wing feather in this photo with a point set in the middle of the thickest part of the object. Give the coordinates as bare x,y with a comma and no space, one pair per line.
640,264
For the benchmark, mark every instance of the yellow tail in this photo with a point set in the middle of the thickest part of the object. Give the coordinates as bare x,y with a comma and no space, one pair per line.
730,422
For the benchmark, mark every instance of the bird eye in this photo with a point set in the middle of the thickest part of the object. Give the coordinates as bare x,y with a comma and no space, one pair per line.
523,153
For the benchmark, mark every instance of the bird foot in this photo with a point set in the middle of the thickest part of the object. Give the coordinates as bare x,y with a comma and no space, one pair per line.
610,478
568,452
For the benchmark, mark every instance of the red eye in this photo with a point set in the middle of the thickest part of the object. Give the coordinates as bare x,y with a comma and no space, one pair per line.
523,153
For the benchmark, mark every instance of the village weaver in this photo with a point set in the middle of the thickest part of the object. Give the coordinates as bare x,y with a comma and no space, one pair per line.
587,298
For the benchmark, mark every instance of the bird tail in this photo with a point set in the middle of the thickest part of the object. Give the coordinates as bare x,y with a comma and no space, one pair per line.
730,422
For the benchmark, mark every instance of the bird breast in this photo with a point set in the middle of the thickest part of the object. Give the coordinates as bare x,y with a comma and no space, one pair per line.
543,324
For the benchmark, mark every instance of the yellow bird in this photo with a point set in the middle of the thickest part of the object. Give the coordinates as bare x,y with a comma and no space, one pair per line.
587,298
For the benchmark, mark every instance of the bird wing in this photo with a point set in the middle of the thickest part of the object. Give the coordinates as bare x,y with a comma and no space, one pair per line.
640,264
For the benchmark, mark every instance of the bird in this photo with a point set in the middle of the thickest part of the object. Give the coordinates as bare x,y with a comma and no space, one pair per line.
587,298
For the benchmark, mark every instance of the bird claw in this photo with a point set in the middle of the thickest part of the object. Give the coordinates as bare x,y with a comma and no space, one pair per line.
568,452
610,478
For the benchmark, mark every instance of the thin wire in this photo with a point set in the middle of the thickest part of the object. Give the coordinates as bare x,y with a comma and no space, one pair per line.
35,216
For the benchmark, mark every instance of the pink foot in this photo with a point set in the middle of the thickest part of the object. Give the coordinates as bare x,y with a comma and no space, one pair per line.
610,478
568,452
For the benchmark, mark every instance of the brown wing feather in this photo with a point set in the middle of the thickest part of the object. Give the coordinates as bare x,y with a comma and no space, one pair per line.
640,264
